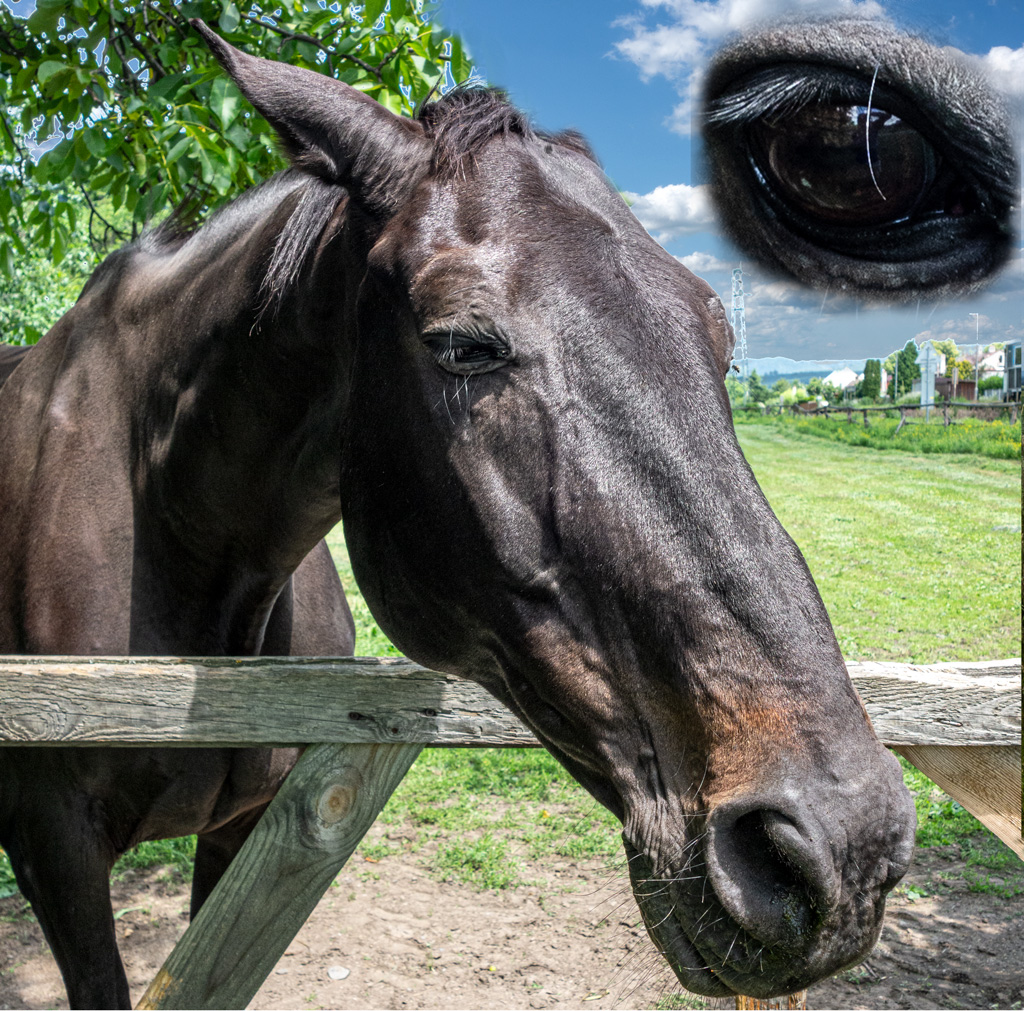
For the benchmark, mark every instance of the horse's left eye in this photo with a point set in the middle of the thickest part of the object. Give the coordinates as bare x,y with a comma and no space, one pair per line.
468,355
881,181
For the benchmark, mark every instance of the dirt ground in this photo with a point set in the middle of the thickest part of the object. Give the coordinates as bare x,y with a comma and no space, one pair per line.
400,939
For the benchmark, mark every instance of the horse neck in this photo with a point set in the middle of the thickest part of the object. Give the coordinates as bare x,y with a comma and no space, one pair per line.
235,434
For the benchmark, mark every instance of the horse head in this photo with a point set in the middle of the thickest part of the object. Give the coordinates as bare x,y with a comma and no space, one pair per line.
542,492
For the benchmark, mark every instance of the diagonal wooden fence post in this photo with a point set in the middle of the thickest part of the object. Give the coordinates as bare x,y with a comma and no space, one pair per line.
303,839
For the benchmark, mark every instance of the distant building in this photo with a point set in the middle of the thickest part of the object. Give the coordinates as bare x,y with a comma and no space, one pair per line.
991,363
1011,373
841,378
939,366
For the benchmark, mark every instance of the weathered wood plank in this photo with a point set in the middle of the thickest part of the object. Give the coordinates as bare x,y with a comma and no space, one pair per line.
950,703
139,701
274,700
303,839
987,781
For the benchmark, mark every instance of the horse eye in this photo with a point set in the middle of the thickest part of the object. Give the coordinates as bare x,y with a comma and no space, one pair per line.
853,157
851,165
468,355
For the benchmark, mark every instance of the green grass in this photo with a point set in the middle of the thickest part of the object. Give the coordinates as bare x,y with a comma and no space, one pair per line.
991,865
917,557
174,854
488,810
370,640
997,439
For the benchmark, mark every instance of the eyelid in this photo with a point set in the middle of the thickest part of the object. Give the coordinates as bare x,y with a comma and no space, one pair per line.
783,91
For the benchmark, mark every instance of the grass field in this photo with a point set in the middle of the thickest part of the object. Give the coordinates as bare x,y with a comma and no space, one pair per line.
917,557
997,439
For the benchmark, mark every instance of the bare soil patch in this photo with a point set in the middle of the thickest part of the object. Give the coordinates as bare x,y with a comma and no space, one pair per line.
569,939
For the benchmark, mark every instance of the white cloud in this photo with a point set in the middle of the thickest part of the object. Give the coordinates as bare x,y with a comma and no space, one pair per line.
1005,68
671,211
680,48
705,263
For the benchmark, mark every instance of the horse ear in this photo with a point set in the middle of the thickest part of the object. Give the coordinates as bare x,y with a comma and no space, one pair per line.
328,128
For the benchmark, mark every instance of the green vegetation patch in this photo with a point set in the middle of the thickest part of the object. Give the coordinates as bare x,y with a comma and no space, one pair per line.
916,557
176,854
991,865
465,801
997,439
370,640
485,863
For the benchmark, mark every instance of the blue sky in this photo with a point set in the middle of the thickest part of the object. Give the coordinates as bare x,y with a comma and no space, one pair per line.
620,70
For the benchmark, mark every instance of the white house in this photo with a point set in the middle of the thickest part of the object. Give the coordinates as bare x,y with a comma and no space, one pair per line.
842,378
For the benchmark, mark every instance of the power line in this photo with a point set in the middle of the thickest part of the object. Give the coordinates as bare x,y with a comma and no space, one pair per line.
739,322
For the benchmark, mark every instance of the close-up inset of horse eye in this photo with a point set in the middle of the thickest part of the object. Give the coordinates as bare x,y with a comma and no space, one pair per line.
848,165
851,156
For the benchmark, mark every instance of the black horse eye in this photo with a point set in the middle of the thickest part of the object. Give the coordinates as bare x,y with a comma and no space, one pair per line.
468,355
851,165
851,156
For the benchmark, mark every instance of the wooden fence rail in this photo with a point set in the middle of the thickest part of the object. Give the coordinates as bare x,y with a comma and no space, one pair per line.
960,723
295,700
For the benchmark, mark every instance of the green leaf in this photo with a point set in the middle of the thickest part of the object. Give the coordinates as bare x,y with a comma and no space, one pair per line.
225,101
165,89
229,18
7,260
179,149
95,142
373,9
48,68
46,15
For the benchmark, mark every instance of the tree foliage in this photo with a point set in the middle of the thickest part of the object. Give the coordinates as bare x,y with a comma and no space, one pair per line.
963,367
871,385
756,390
908,371
143,116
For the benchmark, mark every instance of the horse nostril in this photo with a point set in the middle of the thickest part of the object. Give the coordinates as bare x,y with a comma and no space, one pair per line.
773,876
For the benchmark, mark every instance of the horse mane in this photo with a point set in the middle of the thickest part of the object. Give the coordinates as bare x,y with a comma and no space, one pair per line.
463,120
459,124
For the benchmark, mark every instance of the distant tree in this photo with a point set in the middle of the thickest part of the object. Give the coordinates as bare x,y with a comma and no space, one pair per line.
780,386
908,371
831,393
795,393
947,347
815,386
756,390
963,367
736,389
871,385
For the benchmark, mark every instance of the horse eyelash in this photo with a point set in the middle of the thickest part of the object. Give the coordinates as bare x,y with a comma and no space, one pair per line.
778,92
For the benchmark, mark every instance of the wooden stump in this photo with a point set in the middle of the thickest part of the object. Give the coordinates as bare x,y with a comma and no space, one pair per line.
303,839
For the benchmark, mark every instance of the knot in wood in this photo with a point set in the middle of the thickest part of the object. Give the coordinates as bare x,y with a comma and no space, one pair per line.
335,803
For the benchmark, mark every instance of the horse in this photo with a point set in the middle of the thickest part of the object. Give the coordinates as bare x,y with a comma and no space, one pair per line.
854,157
10,357
451,333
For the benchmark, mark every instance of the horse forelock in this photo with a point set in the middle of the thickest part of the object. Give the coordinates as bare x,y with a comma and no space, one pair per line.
462,121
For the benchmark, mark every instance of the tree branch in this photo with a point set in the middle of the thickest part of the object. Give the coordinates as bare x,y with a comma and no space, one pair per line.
93,213
299,37
390,56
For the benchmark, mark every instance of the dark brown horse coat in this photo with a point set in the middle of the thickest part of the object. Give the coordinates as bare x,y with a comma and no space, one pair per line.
453,332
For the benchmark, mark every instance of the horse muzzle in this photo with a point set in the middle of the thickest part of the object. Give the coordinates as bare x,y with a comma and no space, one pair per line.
763,899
